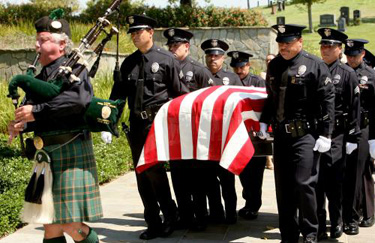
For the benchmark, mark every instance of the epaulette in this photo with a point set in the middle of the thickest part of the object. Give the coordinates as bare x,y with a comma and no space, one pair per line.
162,51
345,67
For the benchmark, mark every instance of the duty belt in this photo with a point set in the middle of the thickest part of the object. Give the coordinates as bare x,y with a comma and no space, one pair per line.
297,128
150,112
341,122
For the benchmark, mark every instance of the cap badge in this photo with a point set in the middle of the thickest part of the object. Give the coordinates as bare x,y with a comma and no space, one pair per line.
56,25
327,32
336,79
281,29
350,43
106,112
225,80
301,69
171,32
155,67
235,55
131,20
214,43
189,76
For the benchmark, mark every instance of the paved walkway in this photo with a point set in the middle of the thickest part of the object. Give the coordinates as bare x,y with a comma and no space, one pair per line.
123,220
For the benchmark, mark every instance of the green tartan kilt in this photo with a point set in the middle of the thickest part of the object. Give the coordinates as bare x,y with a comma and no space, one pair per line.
75,189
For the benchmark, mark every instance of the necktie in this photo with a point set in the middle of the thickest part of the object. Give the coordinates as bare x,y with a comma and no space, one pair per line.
281,104
138,103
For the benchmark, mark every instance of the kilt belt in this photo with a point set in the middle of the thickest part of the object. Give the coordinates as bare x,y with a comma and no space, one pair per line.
43,141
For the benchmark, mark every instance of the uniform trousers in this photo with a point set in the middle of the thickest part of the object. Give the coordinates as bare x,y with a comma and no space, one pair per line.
368,190
296,175
331,176
355,165
212,190
228,190
252,180
153,185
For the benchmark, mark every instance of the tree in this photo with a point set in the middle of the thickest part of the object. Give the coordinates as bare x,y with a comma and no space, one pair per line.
309,4
49,4
187,3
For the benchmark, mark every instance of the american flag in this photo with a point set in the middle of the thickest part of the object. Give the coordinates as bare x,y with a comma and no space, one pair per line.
207,124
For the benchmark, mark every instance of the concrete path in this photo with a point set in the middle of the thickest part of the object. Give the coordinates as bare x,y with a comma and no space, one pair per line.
123,221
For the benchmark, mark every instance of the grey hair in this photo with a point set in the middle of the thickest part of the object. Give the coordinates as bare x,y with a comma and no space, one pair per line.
58,37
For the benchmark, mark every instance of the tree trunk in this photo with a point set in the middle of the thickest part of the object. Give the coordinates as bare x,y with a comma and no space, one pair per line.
310,16
187,3
248,4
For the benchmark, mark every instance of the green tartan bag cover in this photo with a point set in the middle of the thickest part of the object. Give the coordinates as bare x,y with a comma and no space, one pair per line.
102,115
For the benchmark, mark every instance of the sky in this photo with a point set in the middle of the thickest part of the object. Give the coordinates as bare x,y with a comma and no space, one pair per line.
163,3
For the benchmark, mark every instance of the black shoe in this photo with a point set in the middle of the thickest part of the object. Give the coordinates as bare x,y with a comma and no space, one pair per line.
247,214
168,227
310,239
322,235
351,229
150,234
336,231
367,222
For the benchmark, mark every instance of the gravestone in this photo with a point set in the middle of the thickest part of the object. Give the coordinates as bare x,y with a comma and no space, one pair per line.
344,13
280,20
327,20
341,24
357,17
279,6
270,3
273,9
283,5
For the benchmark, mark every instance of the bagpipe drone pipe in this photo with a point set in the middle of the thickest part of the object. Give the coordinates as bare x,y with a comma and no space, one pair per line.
101,114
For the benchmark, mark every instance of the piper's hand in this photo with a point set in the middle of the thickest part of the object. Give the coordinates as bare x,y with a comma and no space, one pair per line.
372,148
24,113
263,134
14,128
350,147
107,137
322,144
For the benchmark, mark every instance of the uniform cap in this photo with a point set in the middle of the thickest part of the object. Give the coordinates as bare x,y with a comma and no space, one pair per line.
177,35
138,22
54,23
369,58
288,32
331,36
214,46
354,47
239,58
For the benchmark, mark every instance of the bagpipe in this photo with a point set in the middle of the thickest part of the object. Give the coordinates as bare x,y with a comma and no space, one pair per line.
101,114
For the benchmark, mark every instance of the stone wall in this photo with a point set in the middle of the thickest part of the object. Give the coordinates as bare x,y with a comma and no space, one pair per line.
259,41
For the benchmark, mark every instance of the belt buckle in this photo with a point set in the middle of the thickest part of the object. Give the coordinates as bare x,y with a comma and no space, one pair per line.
144,115
287,128
38,142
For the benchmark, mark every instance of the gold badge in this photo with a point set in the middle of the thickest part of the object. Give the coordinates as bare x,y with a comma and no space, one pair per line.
106,112
38,142
131,20
171,32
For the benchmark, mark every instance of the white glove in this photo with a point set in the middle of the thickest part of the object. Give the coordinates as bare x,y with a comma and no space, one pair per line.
263,134
372,147
107,137
350,147
322,144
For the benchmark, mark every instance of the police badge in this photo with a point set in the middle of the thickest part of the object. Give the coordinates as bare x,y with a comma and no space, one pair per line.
171,32
336,79
225,80
235,55
189,76
131,20
327,32
364,80
301,70
214,43
350,43
281,28
155,67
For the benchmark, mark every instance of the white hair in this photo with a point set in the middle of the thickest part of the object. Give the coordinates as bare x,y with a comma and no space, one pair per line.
59,37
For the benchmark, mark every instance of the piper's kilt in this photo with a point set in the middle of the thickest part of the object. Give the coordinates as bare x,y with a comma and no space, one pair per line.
75,188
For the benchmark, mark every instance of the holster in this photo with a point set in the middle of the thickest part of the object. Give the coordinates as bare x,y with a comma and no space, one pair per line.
364,119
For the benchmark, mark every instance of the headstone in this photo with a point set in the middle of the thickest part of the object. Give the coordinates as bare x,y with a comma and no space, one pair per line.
280,20
344,12
327,20
357,17
341,24
273,9
270,3
279,6
283,5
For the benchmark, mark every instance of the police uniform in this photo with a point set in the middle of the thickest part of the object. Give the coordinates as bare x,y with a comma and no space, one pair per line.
58,131
369,59
148,81
226,178
190,196
300,104
346,129
358,164
252,176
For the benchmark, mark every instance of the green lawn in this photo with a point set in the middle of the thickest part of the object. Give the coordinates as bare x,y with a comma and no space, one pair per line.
297,14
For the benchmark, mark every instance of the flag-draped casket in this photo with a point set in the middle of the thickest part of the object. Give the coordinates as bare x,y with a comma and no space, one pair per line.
208,124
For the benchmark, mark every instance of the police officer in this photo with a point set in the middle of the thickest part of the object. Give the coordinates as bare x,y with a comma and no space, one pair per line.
215,55
360,159
252,176
150,77
369,59
190,196
300,93
344,136
57,131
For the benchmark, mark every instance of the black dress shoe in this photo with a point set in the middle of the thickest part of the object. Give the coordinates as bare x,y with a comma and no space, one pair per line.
367,222
247,214
310,239
351,229
322,235
150,234
168,228
336,231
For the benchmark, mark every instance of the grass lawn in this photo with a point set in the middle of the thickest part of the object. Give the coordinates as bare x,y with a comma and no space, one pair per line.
297,14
